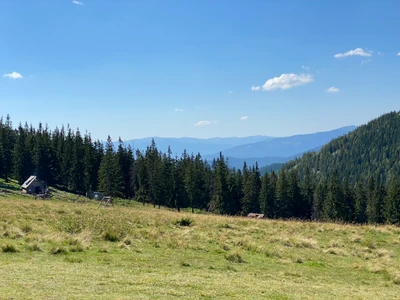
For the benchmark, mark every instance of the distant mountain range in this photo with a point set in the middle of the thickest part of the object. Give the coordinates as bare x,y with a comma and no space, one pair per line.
265,150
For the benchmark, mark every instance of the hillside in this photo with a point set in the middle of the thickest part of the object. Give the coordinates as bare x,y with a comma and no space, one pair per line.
370,150
57,249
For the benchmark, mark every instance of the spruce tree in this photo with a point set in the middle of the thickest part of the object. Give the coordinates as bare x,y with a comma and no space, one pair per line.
360,203
320,195
283,201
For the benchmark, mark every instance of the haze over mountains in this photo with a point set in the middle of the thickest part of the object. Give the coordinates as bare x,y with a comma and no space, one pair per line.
265,150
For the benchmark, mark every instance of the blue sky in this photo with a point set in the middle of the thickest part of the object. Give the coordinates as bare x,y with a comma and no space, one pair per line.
196,68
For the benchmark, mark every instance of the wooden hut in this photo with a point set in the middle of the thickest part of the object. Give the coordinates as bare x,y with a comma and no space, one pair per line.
33,185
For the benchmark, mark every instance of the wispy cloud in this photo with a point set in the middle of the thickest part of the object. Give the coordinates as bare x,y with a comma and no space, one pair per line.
355,52
178,109
230,92
255,88
306,68
14,75
77,2
398,54
244,118
204,123
333,89
287,81
365,61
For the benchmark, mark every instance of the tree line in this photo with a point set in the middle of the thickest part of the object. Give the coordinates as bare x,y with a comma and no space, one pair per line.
69,160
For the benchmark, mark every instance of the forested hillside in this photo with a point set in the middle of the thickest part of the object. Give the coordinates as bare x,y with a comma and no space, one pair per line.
67,159
370,151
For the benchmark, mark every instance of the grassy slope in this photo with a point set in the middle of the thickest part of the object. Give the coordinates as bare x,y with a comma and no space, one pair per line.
64,251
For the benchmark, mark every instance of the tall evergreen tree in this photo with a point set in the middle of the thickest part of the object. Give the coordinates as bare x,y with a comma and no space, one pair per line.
360,203
21,157
320,195
334,204
283,201
307,192
110,175
392,203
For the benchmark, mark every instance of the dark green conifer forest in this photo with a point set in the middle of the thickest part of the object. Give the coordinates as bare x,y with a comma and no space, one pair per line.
354,178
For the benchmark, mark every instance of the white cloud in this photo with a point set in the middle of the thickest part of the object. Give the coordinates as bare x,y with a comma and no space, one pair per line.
255,88
332,89
178,109
244,118
306,68
203,123
230,92
357,51
14,75
287,81
77,2
398,54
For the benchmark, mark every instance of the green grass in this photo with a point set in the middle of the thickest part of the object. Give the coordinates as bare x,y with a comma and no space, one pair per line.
61,249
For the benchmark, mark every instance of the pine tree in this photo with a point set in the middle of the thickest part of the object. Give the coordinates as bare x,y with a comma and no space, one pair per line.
153,166
334,204
264,195
7,137
220,196
283,209
392,203
21,156
320,195
77,170
349,200
110,175
296,202
372,209
360,203
307,192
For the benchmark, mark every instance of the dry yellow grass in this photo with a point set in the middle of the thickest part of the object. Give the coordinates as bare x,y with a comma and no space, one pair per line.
68,250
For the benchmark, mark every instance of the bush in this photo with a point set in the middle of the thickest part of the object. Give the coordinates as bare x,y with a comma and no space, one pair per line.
234,257
33,247
8,248
26,228
184,221
58,250
111,236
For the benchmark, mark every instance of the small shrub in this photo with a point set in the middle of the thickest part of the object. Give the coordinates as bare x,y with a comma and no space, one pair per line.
33,247
58,250
26,228
77,248
8,248
396,279
184,221
111,236
298,260
225,248
185,264
234,257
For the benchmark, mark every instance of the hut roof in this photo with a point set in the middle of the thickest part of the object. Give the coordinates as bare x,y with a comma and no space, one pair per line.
29,181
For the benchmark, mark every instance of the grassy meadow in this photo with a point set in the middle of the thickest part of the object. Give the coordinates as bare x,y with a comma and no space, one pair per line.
68,248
